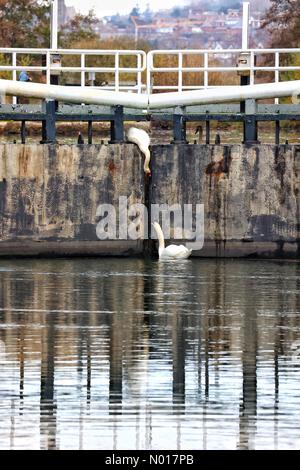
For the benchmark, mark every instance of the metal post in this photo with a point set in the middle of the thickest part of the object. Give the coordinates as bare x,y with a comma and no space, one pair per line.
90,132
14,63
179,126
23,132
250,123
245,80
117,125
54,24
49,128
207,132
248,106
54,80
277,132
250,130
246,18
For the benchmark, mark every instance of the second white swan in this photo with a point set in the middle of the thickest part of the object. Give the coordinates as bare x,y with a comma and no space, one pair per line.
170,252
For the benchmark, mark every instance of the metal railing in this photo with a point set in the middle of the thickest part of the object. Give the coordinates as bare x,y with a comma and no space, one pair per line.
43,61
187,65
219,61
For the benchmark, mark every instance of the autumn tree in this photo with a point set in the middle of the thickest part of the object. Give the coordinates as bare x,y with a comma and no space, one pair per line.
80,28
282,21
24,23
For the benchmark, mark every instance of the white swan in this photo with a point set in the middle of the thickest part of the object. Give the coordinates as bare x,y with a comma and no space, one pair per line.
172,251
142,139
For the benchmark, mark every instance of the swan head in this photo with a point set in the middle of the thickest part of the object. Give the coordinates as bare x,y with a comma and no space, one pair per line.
142,140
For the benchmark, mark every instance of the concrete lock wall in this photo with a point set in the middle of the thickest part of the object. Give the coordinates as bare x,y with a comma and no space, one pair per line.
49,196
251,195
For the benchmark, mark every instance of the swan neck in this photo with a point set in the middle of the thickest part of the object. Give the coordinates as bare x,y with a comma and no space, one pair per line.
147,160
160,236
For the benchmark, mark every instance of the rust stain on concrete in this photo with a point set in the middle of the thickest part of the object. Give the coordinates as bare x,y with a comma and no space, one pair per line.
112,167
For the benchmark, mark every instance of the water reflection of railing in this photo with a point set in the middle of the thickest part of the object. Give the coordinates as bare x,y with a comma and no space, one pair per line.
131,343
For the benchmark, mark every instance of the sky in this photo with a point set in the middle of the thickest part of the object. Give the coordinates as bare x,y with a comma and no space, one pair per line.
110,7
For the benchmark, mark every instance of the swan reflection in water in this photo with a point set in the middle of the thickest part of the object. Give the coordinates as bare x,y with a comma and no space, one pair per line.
133,354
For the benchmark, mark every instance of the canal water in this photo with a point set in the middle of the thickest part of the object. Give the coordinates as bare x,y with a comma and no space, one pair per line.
140,354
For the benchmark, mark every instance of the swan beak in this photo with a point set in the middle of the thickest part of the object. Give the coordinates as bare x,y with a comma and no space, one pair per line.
148,172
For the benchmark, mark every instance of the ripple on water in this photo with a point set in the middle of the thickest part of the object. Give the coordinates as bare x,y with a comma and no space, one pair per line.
136,354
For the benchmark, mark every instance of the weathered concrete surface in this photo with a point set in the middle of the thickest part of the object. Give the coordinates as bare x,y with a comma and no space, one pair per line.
49,196
251,195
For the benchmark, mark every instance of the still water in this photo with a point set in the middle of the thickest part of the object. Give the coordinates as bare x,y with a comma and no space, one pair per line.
140,354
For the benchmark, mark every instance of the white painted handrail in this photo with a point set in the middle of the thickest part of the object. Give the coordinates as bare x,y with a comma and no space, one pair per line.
224,94
149,101
209,61
69,94
221,61
11,61
155,64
